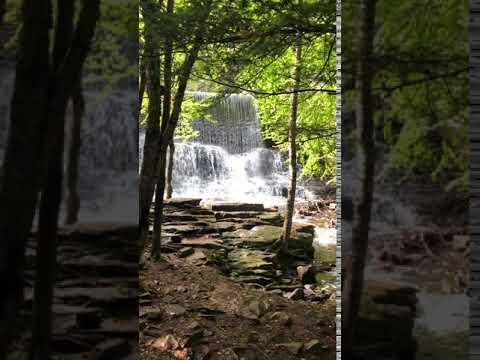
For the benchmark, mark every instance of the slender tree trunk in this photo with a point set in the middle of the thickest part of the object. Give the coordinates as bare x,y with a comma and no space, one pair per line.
141,86
3,10
171,159
69,54
292,134
152,134
167,100
167,134
159,203
21,168
73,198
361,222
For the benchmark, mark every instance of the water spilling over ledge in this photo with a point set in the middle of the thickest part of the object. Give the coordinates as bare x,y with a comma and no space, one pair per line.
236,125
227,160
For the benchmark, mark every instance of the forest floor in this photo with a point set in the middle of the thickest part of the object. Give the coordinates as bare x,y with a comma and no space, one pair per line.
187,309
192,308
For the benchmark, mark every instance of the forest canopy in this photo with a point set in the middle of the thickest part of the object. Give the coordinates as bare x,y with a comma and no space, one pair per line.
248,47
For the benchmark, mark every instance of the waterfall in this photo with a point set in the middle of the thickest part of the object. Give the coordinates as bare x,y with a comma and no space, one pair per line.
109,150
227,160
236,126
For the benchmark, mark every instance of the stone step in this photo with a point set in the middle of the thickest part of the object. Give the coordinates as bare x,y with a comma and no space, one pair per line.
230,206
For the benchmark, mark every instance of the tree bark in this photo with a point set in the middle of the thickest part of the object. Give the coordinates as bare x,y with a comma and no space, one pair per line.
152,134
354,278
73,198
159,204
3,10
21,168
142,85
292,134
171,159
65,68
167,100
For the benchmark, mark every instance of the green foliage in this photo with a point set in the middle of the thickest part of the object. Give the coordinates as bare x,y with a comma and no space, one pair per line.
249,47
420,83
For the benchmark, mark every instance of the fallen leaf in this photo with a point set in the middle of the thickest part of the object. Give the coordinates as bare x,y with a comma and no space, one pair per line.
164,343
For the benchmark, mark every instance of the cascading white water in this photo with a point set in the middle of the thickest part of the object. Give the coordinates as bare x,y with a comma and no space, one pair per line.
227,160
236,126
108,177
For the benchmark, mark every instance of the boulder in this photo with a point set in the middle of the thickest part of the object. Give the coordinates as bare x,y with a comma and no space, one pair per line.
306,274
250,262
296,294
186,251
304,228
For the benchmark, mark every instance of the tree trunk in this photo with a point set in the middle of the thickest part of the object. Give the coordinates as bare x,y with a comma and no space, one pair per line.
168,128
361,222
292,134
141,86
171,159
162,151
21,168
73,198
152,134
159,202
3,10
69,54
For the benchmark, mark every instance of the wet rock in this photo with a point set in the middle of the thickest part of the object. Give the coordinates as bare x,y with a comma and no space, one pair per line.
186,251
306,274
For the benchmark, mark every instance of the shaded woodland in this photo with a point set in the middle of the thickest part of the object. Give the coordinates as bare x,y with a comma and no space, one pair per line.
237,175
47,48
405,179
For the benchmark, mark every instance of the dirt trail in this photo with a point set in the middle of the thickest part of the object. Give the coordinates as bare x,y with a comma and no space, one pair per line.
195,312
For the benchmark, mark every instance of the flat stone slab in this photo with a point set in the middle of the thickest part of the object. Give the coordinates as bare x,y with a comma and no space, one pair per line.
90,231
183,202
227,206
205,242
